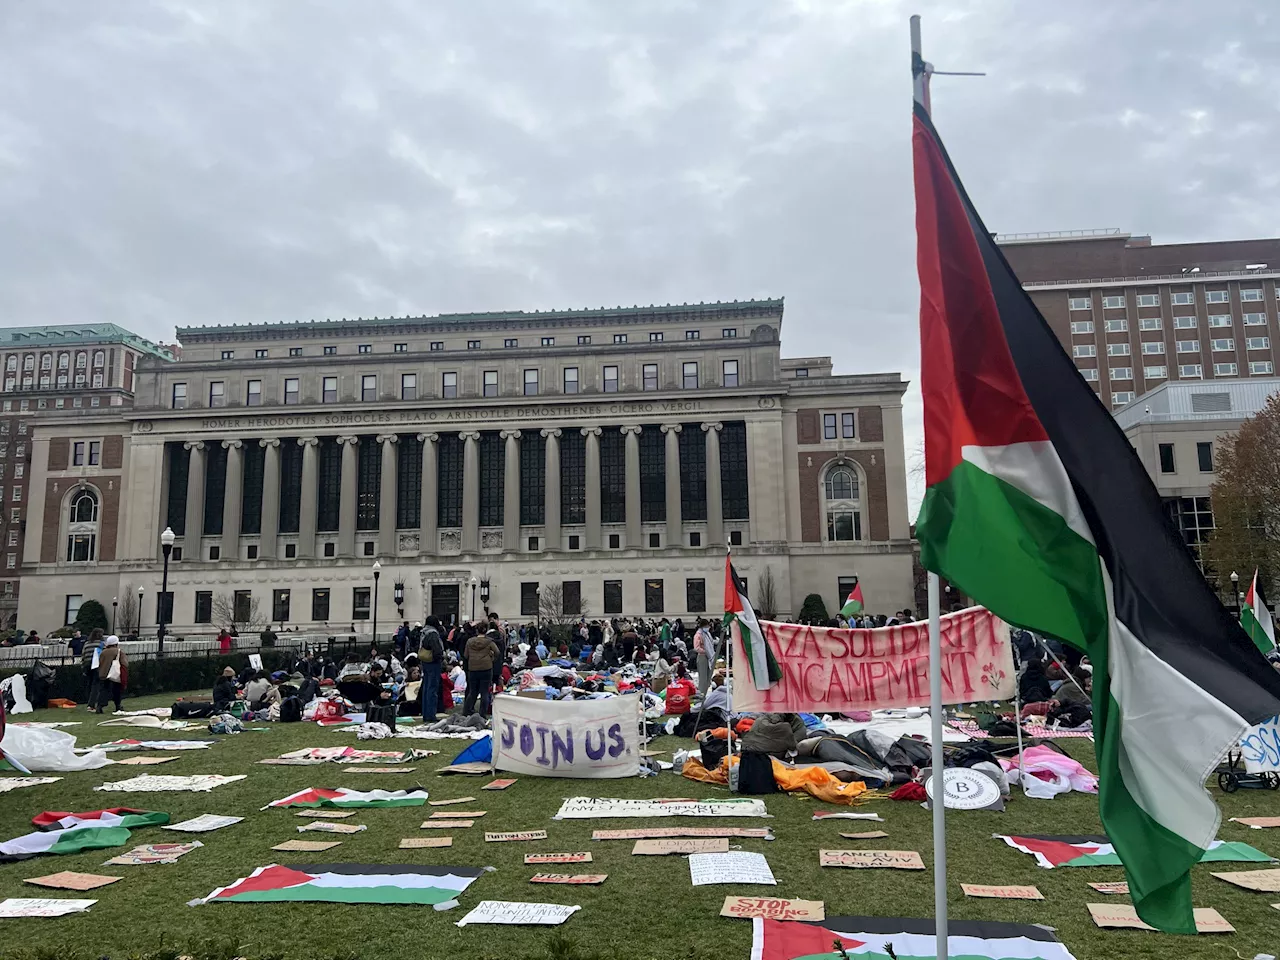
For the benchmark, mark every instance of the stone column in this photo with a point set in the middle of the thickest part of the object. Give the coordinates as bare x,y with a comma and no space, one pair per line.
470,492
511,493
347,506
232,494
270,499
632,435
593,487
308,496
715,503
388,494
428,533
675,530
551,505
195,501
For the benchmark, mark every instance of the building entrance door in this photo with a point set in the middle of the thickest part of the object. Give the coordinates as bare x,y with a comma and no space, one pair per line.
444,603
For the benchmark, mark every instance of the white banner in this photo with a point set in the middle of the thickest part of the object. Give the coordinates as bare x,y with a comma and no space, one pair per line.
583,739
1260,748
590,808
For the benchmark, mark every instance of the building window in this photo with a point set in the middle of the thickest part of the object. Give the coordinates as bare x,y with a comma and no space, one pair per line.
584,339
689,374
473,344
77,454
408,386
400,348
369,387
649,376
573,479
436,345
571,597
619,338
655,539
695,538
178,398
1122,397
1226,370
531,383
1121,373
330,351
1146,300
13,538
575,542
1185,323
693,334
729,333
1223,344
1113,303
1183,297
491,383
449,386
330,549
610,379
1117,350
843,503
615,541
1152,373
829,426
570,379
1217,296
360,603
449,490
217,393
295,351
511,342
847,426
1255,319
1220,320
1204,456
1084,350
1080,303
204,607
71,607
251,551
82,525
1153,346
292,391
695,595
1260,368
280,606
329,390
613,596
320,603
1258,343
260,354
95,457
1188,346
492,478
613,477
529,599
653,596
97,382
215,553
655,336
1190,371
290,551
1082,326
533,545
365,348
653,472
1116,326
729,372
548,341
253,393
802,373
1151,323
226,355
1254,293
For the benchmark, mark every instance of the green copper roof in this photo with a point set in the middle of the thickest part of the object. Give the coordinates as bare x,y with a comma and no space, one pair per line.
78,334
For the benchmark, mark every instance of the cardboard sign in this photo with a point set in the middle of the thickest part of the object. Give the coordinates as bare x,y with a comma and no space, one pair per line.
589,879
1257,823
773,909
255,661
306,846
378,769
204,823
557,858
1264,881
67,880
445,803
326,814
655,833
503,911
517,835
499,784
868,835
588,808
29,907
153,853
680,846
423,843
829,670
448,824
324,826
1124,916
145,761
1119,888
1001,893
458,815
871,859
707,869
581,739
1260,747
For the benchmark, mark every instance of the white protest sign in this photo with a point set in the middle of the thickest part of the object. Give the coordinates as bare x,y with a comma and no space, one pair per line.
1260,747
588,808
255,661
509,912
583,739
706,869
204,823
34,907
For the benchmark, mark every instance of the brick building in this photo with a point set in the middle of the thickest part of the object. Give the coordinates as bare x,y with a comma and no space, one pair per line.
1135,315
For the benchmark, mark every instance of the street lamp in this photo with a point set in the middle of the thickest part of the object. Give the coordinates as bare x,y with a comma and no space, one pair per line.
1235,596
474,583
115,602
141,590
537,602
377,572
484,594
397,594
166,547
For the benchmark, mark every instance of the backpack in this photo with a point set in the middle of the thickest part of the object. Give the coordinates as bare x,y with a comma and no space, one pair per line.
290,710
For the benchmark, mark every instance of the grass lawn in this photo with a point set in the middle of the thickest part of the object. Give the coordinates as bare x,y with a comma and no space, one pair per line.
646,909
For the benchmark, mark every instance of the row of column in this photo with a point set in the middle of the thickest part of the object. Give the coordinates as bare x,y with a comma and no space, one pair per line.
428,533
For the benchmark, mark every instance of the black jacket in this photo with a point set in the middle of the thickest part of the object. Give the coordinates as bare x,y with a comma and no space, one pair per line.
224,692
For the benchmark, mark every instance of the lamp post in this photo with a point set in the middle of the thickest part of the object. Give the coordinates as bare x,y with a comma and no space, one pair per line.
484,595
377,572
115,602
1235,595
537,602
474,583
397,594
138,625
166,547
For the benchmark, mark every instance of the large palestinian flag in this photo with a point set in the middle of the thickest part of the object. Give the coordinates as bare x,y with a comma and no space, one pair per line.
867,937
344,797
77,832
1256,618
1051,851
1037,507
738,611
348,883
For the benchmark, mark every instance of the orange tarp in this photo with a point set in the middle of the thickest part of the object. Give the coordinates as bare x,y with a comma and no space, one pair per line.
812,780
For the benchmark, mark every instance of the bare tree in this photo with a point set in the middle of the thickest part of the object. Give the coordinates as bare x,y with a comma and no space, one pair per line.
768,595
226,615
551,610
127,611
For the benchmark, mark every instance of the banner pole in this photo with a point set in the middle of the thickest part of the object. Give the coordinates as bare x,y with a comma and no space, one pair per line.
728,684
938,761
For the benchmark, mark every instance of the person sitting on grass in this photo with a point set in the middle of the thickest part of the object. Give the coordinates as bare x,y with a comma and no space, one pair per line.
225,691
256,689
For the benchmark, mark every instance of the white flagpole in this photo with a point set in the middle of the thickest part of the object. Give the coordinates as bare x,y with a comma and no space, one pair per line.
728,677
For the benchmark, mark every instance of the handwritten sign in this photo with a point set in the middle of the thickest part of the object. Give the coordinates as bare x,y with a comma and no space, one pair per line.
499,784
589,879
1001,893
421,843
586,808
591,739
557,858
255,661
448,824
833,670
30,907
67,880
1260,747
504,911
654,833
515,836
324,826
458,815
680,846
773,909
326,814
154,853
1257,823
868,835
204,823
446,803
1122,915
845,815
1265,881
706,869
871,859
145,761
378,769
307,846
1119,888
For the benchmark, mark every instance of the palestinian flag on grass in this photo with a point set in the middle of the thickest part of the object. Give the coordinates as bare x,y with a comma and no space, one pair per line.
1256,618
59,820
97,830
344,797
348,883
1051,851
765,671
1037,507
868,937
854,604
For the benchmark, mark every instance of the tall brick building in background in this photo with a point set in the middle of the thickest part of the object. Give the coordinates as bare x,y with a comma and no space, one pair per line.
1135,315
78,371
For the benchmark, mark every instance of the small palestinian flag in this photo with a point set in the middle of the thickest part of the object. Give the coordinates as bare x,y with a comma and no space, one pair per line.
344,797
348,883
1051,851
58,820
1256,618
97,830
1038,508
765,671
853,605
873,937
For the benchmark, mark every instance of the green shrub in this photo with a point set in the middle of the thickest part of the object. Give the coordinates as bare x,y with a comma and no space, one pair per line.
92,615
814,610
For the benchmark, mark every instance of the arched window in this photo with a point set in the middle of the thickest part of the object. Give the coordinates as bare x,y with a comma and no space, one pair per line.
46,361
99,358
29,362
842,502
82,359
82,525
64,361
12,362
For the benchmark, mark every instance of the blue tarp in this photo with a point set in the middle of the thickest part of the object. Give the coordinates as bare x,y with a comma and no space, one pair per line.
480,751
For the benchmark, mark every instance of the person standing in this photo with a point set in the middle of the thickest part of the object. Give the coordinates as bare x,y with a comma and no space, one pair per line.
431,657
224,641
704,650
89,656
112,674
481,657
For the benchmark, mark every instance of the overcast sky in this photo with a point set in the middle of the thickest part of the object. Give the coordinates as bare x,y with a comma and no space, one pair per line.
184,163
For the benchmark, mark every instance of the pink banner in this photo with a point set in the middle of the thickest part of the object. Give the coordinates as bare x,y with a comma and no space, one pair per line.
835,671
